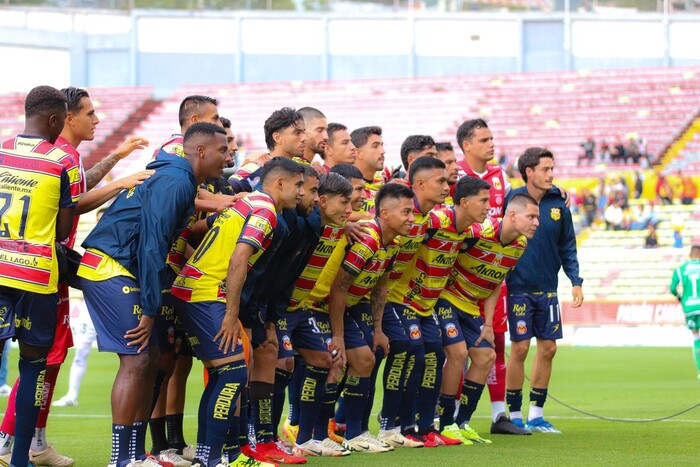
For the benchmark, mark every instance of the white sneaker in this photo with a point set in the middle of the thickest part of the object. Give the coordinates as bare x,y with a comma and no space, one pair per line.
171,455
50,458
366,443
5,390
65,401
188,452
314,447
394,438
150,461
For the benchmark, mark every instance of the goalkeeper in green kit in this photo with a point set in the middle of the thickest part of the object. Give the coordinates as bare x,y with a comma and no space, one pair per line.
688,274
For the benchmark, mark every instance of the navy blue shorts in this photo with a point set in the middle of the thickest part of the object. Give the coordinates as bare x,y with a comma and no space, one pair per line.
458,326
359,326
303,329
420,329
392,326
29,317
255,321
115,307
202,321
534,314
166,326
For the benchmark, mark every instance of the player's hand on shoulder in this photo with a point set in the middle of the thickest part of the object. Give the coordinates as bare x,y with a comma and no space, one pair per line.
130,145
260,158
136,179
355,231
565,196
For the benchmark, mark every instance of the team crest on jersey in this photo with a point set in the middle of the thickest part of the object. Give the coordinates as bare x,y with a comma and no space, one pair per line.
3,312
328,344
451,330
497,183
555,213
171,335
497,260
414,332
286,343
521,327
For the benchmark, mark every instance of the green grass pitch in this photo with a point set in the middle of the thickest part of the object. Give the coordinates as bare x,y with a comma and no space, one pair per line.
630,383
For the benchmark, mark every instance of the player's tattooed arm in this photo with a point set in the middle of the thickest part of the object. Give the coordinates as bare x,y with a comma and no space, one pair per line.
377,300
336,309
102,168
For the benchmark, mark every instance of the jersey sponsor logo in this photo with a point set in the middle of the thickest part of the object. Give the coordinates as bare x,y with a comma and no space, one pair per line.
7,178
521,327
451,330
555,213
126,289
519,309
414,332
496,183
486,271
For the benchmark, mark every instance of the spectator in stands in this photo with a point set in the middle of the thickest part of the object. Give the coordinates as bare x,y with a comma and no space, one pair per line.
638,184
614,216
621,192
664,191
604,155
632,151
652,240
588,154
589,206
639,217
617,152
689,190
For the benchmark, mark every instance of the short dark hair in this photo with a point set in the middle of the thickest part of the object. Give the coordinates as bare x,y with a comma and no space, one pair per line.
422,164
310,113
190,105
522,200
279,120
43,99
202,129
695,248
391,191
360,136
333,184
444,146
466,130
531,158
469,186
280,164
414,143
348,171
225,122
309,171
332,128
73,97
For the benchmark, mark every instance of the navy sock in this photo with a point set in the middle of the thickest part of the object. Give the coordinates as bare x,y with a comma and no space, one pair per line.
414,375
282,378
27,405
294,389
243,419
446,410
538,396
203,406
138,439
232,448
222,407
312,395
174,429
429,388
471,393
514,400
321,425
394,383
261,409
356,394
379,356
121,440
157,428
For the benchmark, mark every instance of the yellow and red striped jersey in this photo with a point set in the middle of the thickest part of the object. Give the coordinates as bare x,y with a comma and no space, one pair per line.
34,185
330,237
251,220
173,146
301,160
424,279
371,189
482,264
408,244
367,260
76,188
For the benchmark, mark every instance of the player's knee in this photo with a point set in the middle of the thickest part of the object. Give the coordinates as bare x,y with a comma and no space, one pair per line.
319,360
456,355
363,363
547,349
286,364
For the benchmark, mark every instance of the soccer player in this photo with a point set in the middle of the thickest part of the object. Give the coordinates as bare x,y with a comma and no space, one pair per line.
369,158
316,128
533,307
124,295
230,138
490,251
446,153
688,276
285,134
37,210
339,149
352,174
413,148
414,296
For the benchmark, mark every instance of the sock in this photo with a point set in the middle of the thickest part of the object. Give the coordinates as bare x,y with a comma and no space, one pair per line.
138,438
77,371
340,399
471,393
327,409
47,397
514,400
379,356
121,440
261,409
429,388
696,353
39,440
446,410
294,390
157,429
232,448
282,378
174,431
202,412
538,396
414,374
8,421
242,428
356,394
497,409
27,406
394,383
312,395
5,443
231,379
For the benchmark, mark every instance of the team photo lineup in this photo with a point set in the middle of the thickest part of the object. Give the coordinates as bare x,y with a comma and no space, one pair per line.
291,280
